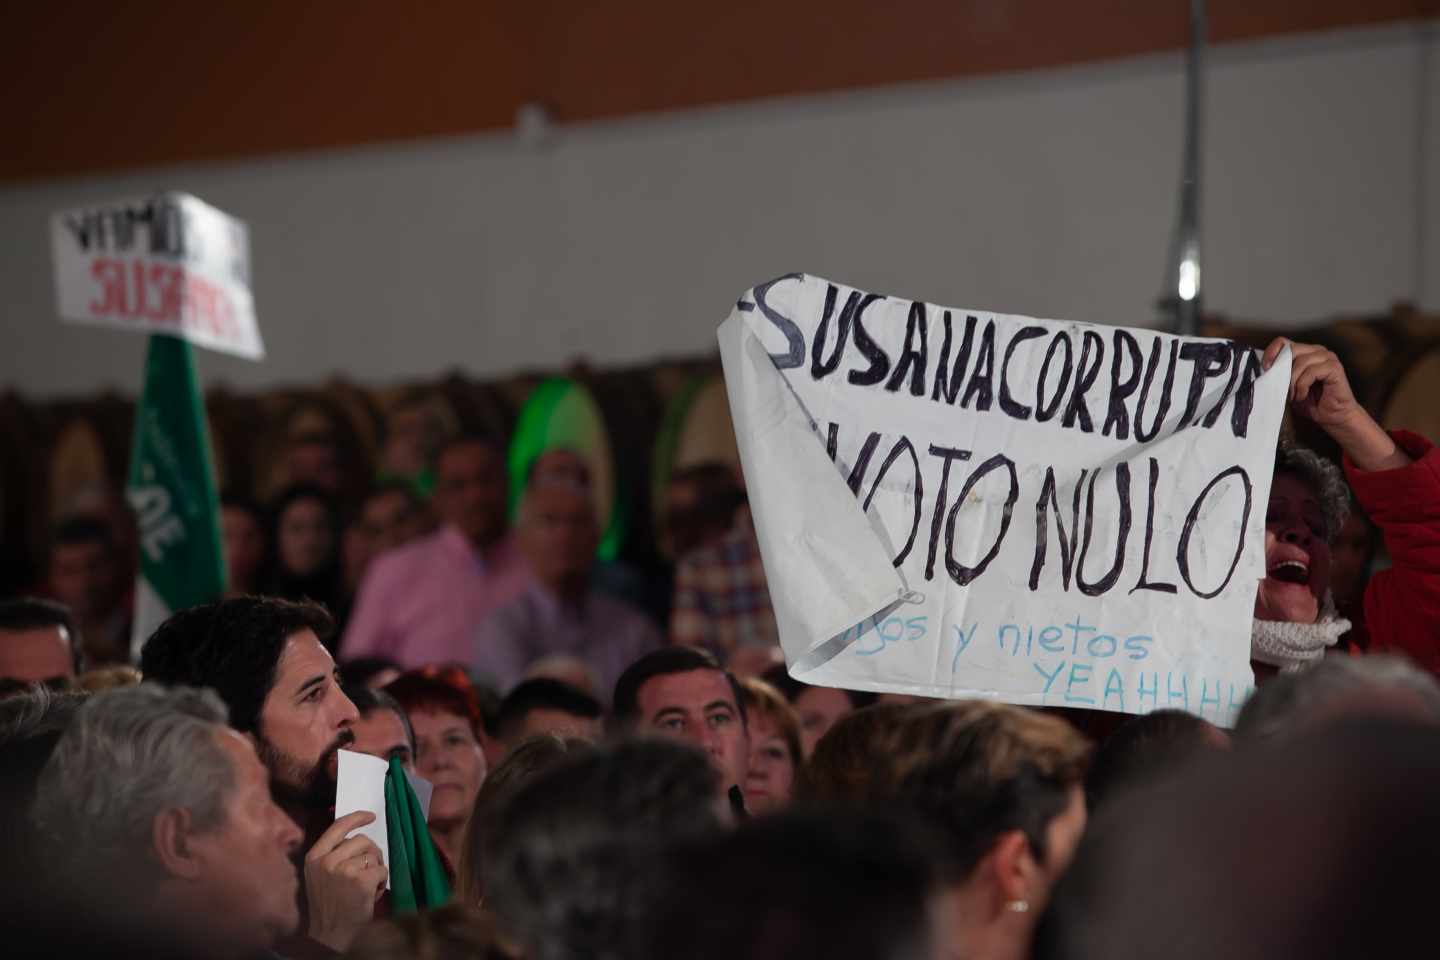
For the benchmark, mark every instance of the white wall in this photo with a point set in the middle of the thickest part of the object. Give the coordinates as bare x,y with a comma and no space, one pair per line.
1050,194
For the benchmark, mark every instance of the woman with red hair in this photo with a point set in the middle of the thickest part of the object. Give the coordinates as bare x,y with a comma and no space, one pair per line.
442,708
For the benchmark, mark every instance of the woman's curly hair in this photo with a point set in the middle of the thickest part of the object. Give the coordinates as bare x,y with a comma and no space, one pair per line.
1322,476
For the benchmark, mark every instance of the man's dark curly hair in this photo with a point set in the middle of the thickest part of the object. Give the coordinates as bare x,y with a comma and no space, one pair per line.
232,646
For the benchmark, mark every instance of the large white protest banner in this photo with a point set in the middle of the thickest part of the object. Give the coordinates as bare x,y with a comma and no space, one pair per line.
956,503
168,263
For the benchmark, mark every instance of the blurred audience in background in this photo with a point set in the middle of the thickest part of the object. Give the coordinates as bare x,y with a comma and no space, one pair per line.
304,541
245,534
85,572
390,516
417,424
721,601
311,455
560,612
424,602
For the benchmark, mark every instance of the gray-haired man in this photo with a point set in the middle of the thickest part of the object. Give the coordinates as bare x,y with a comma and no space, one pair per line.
159,822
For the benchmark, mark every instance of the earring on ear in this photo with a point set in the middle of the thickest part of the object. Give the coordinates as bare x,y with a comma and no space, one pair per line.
1018,906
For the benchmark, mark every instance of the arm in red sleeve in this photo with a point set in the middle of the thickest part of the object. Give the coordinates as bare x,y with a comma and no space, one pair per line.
1402,604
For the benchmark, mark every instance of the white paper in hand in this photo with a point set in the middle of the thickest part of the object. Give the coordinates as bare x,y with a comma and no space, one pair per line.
360,785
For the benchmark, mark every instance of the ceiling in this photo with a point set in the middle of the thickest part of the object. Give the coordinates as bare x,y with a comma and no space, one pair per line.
90,87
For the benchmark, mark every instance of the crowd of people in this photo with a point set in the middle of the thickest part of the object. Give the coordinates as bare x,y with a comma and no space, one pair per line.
614,777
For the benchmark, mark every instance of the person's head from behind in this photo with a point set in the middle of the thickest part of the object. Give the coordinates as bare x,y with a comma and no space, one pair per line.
541,706
1307,508
447,745
558,534
1003,788
470,488
266,660
819,708
305,531
700,504
798,885
681,693
159,815
527,761
383,730
1147,748
31,723
1337,688
848,757
1320,846
570,852
775,754
451,932
83,568
37,641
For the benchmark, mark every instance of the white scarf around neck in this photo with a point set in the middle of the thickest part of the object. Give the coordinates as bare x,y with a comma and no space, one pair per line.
1295,646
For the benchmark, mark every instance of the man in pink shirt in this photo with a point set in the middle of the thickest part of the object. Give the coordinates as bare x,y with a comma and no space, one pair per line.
422,602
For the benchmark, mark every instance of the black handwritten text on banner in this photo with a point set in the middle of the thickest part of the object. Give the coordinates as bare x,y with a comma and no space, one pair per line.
956,503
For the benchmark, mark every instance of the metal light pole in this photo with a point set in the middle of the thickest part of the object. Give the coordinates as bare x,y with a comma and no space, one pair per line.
1180,301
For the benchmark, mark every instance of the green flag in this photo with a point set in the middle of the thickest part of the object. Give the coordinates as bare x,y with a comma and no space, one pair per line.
172,490
417,877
